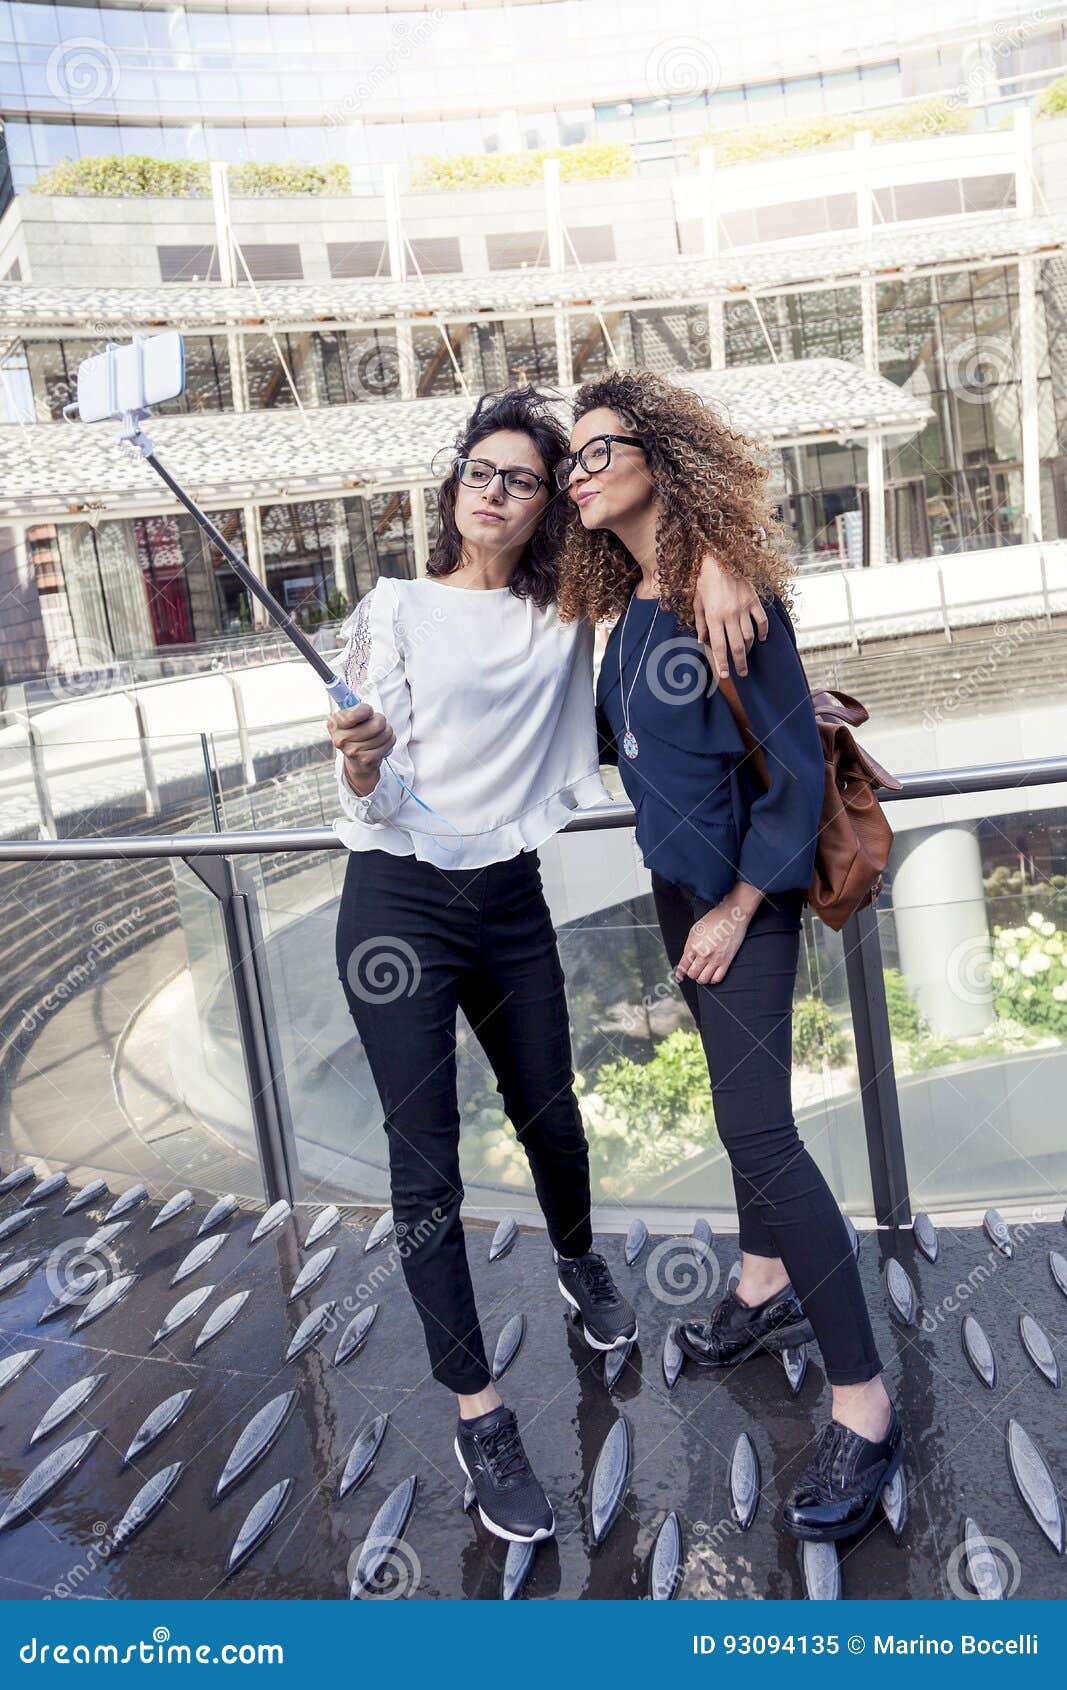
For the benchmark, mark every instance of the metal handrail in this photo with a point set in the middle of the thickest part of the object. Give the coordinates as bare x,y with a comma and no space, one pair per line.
934,783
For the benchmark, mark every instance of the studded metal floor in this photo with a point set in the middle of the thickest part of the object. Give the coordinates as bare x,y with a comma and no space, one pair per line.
247,1462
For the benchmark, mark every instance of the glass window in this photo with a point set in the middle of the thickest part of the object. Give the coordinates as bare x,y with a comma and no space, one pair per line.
208,29
125,28
74,22
34,23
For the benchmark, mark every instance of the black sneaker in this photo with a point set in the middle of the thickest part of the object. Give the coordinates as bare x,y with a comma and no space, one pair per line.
839,1489
736,1331
608,1321
510,1500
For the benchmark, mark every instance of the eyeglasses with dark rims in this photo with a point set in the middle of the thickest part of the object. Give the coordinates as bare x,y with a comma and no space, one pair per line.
517,483
593,456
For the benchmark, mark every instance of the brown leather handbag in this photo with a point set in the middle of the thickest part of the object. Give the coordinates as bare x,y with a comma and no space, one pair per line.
854,835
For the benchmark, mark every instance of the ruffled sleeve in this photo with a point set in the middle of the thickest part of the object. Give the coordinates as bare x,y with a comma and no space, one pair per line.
372,663
778,848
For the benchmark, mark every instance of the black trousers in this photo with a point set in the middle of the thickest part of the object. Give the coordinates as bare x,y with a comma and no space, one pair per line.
415,943
785,1207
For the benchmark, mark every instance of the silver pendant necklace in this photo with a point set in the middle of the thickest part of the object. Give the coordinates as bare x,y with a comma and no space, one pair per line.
629,738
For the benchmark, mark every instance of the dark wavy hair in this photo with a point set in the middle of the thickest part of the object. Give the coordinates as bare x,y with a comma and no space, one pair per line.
713,497
522,410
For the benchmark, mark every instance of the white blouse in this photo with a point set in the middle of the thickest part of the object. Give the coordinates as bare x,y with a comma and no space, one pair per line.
491,702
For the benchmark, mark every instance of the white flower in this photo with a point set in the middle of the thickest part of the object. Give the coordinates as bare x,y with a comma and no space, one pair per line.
1035,918
1048,928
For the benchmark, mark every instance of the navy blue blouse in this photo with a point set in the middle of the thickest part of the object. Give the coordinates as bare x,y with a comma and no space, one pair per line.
704,819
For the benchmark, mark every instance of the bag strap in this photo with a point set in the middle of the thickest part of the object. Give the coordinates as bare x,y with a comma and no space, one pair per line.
726,686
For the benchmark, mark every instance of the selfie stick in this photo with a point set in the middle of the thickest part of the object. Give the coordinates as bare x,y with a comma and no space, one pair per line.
335,684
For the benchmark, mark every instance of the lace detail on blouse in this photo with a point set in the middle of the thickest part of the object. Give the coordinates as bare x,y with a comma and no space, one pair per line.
357,652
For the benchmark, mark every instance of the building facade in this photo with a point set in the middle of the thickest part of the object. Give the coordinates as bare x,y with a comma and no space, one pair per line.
930,257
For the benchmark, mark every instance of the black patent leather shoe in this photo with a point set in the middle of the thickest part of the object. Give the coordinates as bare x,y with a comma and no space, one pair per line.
839,1489
736,1331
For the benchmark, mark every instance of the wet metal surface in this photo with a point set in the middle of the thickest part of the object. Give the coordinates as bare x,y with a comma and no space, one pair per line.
129,1451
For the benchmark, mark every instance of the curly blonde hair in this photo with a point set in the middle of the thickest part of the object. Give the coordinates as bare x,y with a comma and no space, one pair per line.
712,495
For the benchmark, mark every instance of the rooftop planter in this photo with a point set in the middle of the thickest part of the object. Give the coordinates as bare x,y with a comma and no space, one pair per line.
112,176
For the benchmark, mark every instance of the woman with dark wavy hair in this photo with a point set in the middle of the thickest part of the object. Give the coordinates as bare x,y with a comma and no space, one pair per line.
478,696
655,479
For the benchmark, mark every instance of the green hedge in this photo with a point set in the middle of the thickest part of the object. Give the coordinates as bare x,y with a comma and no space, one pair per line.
1052,100
114,177
776,140
591,161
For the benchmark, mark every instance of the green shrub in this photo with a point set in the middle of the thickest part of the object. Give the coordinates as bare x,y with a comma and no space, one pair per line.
262,181
1052,100
589,161
140,177
905,1020
802,135
1029,974
671,1087
817,1038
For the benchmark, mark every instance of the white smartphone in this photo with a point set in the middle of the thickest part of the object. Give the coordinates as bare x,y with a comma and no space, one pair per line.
148,371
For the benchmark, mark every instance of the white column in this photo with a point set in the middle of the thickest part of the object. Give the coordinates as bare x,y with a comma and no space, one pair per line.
1031,439
419,529
255,560
557,260
939,910
710,223
220,199
869,321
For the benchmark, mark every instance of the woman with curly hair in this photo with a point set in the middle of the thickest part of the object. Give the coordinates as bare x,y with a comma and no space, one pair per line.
477,695
656,479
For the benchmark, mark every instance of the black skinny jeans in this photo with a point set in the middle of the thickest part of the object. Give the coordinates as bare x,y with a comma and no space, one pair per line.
414,943
784,1206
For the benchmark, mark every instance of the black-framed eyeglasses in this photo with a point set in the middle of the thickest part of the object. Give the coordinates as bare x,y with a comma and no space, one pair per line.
593,456
518,483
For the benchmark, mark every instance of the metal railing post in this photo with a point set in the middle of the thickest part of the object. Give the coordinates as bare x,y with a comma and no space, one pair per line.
151,785
874,1058
257,1024
248,767
40,782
